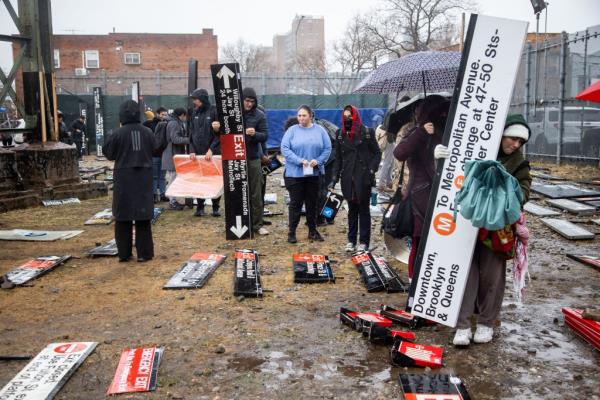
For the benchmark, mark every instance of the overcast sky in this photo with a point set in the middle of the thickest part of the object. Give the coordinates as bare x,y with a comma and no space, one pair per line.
257,21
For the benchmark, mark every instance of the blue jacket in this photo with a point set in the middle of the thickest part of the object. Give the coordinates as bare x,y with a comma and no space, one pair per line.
299,144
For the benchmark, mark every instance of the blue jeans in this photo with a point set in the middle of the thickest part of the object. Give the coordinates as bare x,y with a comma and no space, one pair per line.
158,176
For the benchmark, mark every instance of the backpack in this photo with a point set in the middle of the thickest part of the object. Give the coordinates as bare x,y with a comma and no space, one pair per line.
160,138
490,196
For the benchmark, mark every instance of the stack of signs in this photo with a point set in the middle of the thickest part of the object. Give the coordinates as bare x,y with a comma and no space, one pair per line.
247,274
34,268
312,268
406,354
376,274
273,164
588,329
195,272
43,377
332,205
103,217
137,370
592,261
402,317
567,229
109,249
432,387
373,326
70,200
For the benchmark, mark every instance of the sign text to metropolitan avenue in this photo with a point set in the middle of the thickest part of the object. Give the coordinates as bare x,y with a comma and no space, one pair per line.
228,99
473,132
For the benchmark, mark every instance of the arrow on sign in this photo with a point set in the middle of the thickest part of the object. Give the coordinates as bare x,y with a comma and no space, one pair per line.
225,74
239,229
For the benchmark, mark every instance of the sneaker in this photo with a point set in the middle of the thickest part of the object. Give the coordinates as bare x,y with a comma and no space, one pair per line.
462,337
315,235
176,206
350,247
362,247
216,213
483,334
262,231
199,212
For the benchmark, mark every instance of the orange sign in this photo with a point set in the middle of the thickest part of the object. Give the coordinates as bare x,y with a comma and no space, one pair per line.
199,178
444,224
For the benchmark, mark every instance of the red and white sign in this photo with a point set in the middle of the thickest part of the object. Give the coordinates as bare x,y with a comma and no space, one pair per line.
34,268
137,370
411,354
43,377
199,178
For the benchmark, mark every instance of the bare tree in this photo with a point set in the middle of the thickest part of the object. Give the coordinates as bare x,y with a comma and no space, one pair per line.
402,26
252,58
356,51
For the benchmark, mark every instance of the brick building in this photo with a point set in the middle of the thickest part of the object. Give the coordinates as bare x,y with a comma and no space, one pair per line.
159,61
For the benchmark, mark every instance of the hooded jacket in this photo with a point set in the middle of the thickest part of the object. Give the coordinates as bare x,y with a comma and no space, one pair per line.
254,119
131,147
357,159
202,135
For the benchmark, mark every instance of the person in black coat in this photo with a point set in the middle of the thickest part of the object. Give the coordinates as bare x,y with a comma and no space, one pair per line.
204,129
357,159
131,147
78,133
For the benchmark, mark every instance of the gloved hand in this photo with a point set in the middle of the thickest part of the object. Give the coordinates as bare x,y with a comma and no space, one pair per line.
441,151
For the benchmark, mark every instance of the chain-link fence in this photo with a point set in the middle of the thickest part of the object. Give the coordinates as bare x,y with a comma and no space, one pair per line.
553,71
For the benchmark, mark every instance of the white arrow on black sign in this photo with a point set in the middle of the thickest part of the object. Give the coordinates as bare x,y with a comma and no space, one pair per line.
225,74
239,229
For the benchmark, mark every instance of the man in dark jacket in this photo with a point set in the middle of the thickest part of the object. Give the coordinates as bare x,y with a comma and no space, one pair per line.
256,133
78,133
357,159
204,129
131,147
63,135
158,174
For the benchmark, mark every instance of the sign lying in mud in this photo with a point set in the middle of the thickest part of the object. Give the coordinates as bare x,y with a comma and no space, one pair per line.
109,249
34,268
407,354
377,274
196,271
592,261
137,371
43,377
432,387
312,268
481,100
247,274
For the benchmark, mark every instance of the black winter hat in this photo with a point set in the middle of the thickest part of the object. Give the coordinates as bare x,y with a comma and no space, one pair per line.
249,93
129,112
200,94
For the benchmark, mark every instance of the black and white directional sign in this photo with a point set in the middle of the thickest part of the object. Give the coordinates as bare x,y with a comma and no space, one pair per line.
488,69
228,98
98,120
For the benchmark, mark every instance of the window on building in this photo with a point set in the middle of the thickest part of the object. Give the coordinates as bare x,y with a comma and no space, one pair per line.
92,59
56,58
132,58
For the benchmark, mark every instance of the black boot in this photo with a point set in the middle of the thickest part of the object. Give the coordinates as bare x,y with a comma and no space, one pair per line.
315,235
292,237
199,212
216,212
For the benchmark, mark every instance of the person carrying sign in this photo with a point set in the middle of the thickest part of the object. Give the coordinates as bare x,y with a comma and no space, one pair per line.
130,147
256,133
204,132
487,275
357,159
417,150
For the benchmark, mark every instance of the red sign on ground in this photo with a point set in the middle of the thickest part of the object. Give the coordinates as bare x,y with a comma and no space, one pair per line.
137,370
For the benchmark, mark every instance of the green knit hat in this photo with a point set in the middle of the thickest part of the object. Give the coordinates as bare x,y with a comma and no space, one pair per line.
517,122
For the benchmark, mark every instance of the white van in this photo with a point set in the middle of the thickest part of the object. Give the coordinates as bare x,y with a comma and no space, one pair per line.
579,138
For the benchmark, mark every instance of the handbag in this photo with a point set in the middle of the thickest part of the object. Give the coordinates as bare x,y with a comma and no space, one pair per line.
398,219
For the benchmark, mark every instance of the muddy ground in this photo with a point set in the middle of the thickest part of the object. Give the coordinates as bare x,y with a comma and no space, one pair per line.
289,344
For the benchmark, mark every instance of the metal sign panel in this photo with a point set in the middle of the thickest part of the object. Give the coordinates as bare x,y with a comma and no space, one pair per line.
312,268
540,211
34,268
333,204
137,371
572,206
481,100
98,120
228,98
109,249
247,274
43,377
592,261
433,387
567,229
562,191
195,272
